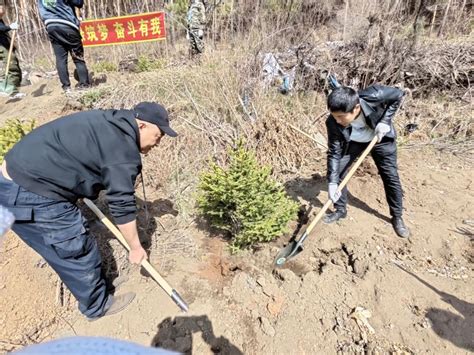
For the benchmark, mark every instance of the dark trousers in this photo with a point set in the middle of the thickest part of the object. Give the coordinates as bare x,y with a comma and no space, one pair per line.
385,158
57,231
13,81
66,39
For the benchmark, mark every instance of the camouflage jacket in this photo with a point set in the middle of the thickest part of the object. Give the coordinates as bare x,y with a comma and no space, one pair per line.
197,15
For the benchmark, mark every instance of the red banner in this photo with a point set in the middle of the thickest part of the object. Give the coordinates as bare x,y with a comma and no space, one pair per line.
124,29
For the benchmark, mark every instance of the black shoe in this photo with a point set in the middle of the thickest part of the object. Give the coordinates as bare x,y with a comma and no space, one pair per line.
400,228
335,216
83,87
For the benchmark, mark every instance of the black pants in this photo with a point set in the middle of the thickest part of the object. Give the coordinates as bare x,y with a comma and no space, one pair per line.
13,80
58,232
385,157
66,39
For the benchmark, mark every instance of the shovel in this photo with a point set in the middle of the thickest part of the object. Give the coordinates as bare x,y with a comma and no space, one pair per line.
4,86
145,263
296,246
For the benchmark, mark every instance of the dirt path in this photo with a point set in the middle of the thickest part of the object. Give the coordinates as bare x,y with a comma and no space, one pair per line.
44,101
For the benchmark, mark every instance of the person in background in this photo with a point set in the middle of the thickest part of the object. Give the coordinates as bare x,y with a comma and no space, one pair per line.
62,25
8,86
196,25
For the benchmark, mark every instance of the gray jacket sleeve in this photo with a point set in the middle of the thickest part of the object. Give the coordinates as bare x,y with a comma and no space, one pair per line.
119,181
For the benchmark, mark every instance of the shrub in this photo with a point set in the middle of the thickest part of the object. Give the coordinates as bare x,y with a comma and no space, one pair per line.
244,200
146,64
91,97
104,67
12,132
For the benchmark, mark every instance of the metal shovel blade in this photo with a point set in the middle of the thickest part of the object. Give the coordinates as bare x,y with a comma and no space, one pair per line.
6,87
179,301
292,249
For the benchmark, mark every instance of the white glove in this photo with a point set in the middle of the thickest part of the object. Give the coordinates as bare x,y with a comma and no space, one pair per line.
6,220
200,33
13,26
334,195
381,130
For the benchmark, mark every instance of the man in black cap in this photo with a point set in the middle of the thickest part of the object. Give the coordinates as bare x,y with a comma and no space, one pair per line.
73,157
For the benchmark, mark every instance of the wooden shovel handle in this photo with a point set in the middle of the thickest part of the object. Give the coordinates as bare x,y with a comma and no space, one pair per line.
145,263
10,51
342,184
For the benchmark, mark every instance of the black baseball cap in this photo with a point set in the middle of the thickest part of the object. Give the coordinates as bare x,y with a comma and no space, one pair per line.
156,114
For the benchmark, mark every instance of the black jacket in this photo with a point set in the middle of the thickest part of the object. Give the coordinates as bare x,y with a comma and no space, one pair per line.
4,36
78,156
379,104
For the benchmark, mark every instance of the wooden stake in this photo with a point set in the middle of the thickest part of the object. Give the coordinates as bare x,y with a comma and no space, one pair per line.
440,32
10,52
433,18
345,20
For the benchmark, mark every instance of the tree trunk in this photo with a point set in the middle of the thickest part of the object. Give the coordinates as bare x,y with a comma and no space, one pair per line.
440,32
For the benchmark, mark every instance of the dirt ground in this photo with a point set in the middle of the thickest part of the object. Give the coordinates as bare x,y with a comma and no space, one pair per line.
419,292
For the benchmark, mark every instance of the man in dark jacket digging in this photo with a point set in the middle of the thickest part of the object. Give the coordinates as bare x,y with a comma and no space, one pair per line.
73,157
355,119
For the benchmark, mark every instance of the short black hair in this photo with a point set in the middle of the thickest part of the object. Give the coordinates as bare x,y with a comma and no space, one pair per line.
343,99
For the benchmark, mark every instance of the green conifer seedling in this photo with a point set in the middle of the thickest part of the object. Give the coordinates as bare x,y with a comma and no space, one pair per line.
245,200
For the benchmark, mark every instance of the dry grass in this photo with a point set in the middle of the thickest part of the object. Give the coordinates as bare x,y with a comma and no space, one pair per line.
207,109
206,104
218,100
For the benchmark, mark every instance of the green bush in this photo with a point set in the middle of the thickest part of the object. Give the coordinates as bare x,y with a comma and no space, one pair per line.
12,132
244,200
146,64
104,67
91,97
